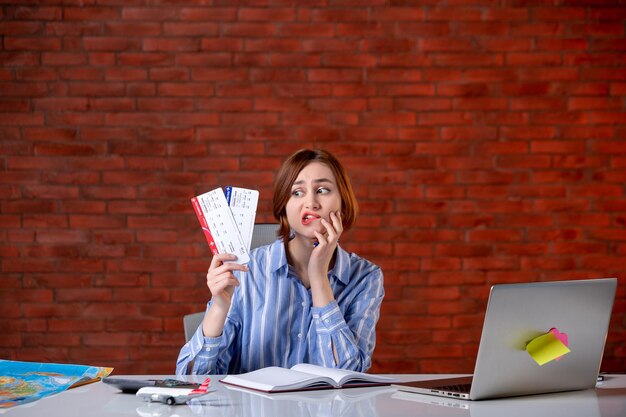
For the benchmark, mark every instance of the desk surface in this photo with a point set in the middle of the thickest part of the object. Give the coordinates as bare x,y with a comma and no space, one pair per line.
99,399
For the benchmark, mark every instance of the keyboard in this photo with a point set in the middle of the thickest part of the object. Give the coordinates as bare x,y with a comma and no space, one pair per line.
464,388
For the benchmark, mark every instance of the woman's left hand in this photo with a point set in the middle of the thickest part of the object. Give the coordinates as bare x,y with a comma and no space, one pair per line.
327,243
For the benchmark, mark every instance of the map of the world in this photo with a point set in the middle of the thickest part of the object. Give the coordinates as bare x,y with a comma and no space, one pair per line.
24,382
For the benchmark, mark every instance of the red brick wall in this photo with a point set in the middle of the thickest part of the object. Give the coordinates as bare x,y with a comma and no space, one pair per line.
486,140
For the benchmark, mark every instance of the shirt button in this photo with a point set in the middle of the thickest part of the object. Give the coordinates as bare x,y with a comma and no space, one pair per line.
208,349
303,304
299,335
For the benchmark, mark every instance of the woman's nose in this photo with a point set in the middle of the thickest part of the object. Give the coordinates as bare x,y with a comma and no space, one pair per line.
311,201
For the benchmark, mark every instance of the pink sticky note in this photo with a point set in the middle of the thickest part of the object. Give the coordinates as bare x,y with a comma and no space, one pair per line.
546,347
561,336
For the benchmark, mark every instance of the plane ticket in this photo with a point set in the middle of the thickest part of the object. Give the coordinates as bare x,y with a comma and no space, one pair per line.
221,228
243,203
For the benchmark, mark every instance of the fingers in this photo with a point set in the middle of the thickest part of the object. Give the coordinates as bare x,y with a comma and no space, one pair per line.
334,228
221,258
220,274
219,263
220,283
335,218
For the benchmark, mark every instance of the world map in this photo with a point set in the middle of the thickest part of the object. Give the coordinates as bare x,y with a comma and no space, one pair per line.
24,382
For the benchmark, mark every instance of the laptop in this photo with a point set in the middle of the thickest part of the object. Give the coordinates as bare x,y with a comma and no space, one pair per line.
563,404
519,313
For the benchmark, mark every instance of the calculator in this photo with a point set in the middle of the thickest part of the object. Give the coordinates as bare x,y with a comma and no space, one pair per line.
133,385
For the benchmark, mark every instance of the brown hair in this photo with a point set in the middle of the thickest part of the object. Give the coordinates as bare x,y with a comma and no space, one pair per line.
288,174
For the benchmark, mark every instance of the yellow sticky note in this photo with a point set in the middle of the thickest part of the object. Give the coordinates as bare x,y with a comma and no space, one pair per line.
546,348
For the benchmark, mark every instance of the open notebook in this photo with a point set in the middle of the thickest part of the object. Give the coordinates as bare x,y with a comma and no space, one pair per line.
538,315
304,377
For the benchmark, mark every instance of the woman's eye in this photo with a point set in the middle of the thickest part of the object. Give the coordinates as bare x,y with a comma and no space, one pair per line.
323,191
296,193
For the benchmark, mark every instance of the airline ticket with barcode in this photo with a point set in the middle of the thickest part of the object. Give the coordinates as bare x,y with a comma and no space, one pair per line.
243,203
227,220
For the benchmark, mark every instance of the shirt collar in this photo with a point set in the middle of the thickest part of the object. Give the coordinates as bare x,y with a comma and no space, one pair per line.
278,255
341,269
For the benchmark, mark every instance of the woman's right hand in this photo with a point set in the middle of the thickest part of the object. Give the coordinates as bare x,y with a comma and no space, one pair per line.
221,280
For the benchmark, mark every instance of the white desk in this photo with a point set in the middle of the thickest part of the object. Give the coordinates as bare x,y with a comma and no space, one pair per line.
98,399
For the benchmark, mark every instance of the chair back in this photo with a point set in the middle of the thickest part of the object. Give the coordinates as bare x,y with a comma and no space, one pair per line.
191,323
263,234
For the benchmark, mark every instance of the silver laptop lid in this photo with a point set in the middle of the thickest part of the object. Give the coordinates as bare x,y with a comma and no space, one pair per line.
518,313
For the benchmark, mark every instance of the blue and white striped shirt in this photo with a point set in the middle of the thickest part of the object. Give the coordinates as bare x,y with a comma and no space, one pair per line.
272,322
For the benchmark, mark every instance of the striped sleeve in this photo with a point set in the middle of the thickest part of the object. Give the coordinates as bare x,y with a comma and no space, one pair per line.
208,355
198,356
352,334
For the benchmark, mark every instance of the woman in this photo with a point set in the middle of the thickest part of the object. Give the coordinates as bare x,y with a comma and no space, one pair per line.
301,299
